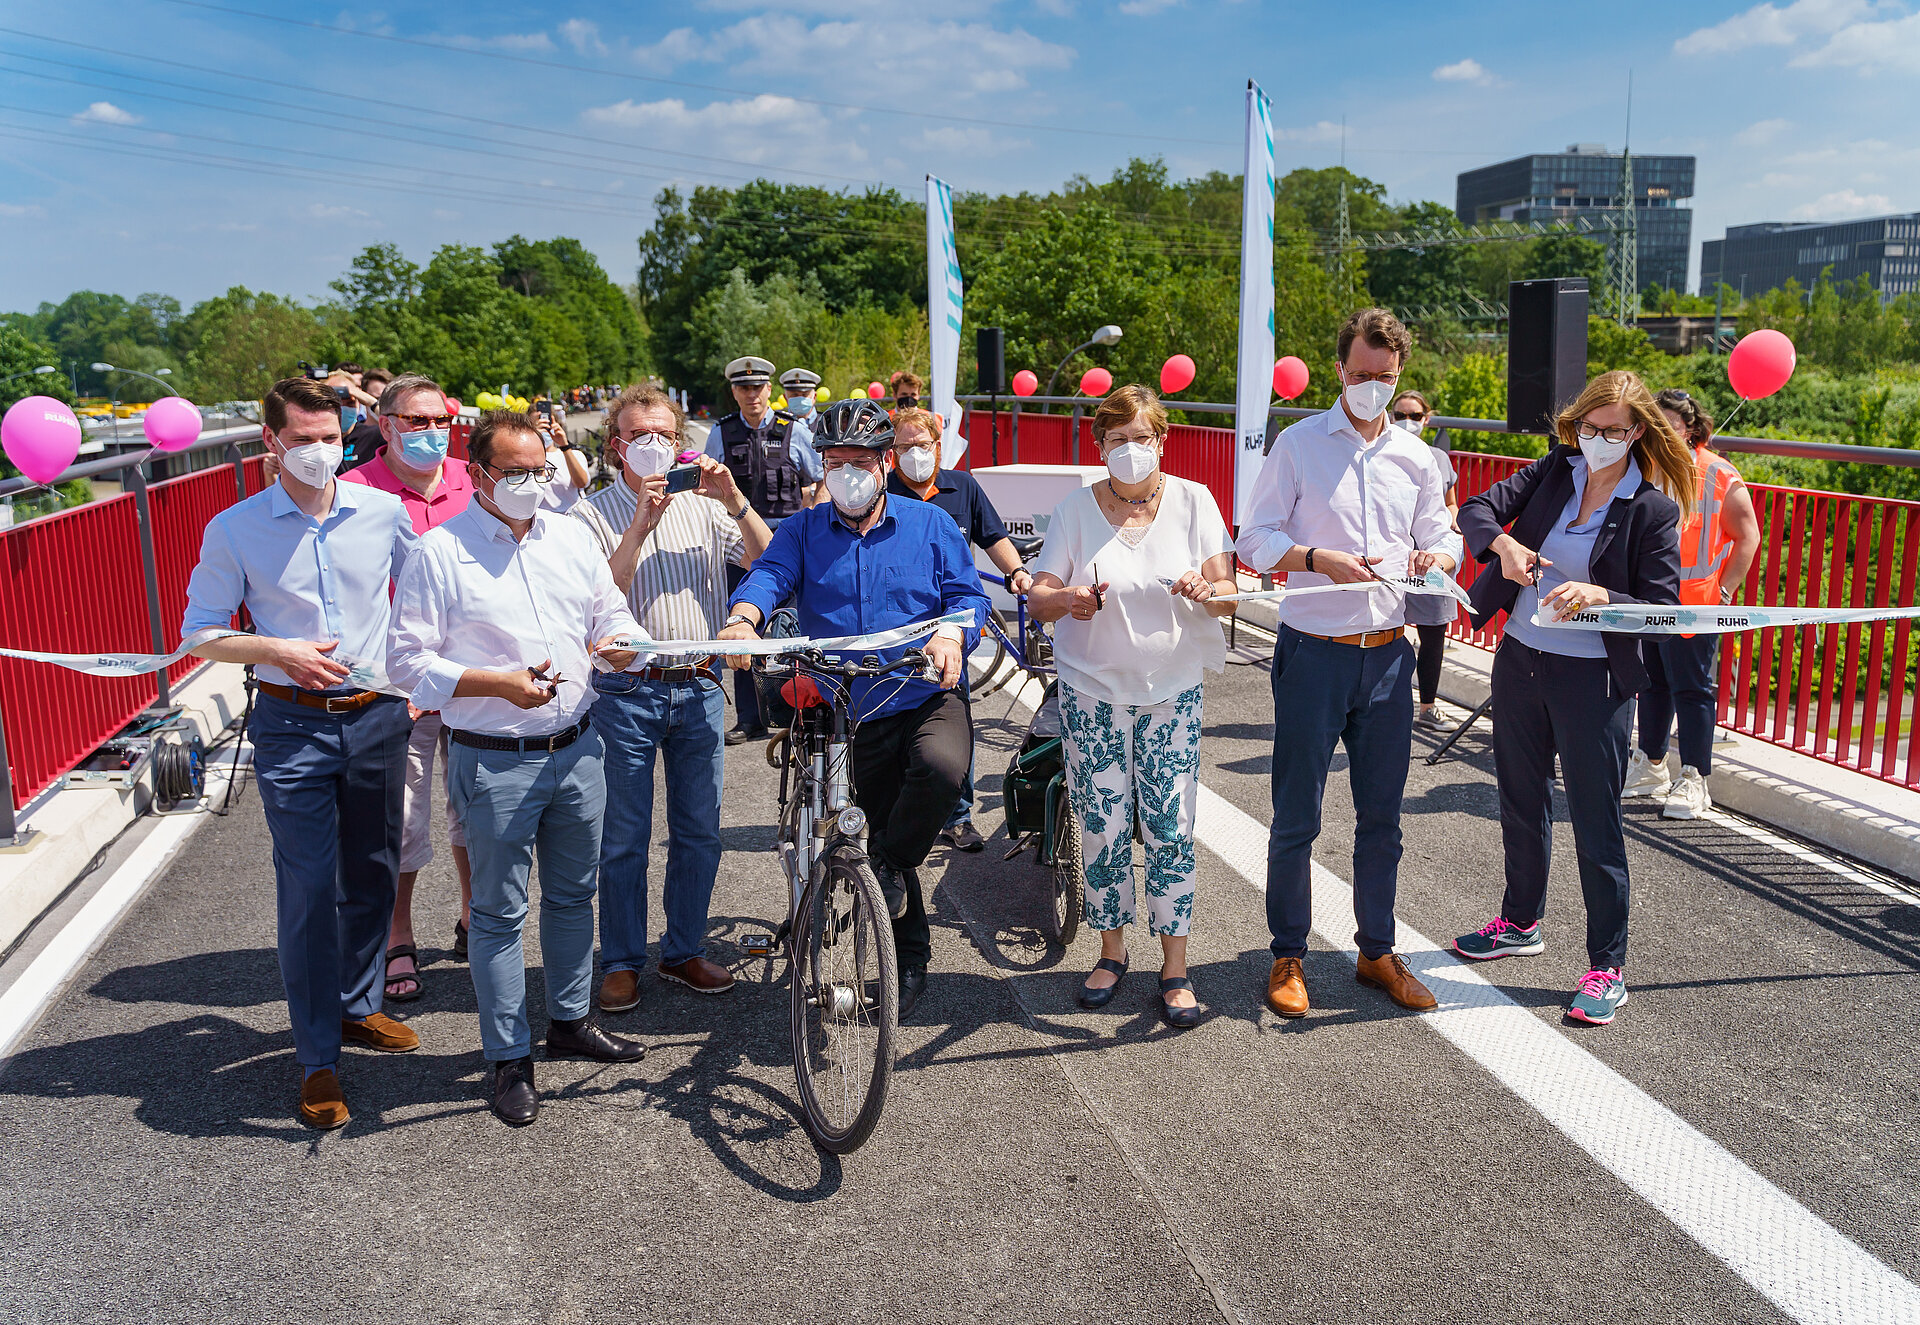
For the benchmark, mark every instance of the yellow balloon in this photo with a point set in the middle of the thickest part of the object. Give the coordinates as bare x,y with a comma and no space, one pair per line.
780,402
823,394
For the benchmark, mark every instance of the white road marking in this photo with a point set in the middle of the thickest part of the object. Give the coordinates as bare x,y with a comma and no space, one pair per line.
1838,868
1802,1264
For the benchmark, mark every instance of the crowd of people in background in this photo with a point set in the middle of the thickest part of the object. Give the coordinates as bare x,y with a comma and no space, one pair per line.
459,633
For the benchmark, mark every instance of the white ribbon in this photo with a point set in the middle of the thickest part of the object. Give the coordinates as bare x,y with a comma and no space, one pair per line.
884,639
1646,619
123,664
1275,595
1433,584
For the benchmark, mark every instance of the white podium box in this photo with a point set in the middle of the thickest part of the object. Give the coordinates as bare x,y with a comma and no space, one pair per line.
1025,496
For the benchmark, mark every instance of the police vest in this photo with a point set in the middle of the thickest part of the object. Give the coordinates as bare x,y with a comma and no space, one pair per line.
763,469
1704,540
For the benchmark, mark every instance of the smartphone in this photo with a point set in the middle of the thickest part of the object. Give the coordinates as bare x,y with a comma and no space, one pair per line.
343,395
683,478
543,408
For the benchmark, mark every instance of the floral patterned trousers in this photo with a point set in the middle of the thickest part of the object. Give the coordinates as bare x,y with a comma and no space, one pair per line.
1124,760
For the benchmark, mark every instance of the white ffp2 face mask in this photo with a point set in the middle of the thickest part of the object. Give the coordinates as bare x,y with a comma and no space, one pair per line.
854,490
645,459
918,463
1368,400
518,503
1600,452
1131,462
313,464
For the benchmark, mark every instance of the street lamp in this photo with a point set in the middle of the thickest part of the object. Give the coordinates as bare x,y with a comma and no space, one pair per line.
113,411
1107,335
34,372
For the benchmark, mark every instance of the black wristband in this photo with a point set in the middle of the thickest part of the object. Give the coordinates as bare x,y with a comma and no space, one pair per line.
1310,559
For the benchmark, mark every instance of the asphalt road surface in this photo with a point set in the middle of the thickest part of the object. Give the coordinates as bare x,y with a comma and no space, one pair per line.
1739,1146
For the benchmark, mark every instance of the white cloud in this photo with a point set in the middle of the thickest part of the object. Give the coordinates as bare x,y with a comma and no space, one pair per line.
1146,8
583,36
1769,25
970,142
1892,44
765,130
326,211
522,41
893,11
1843,204
237,227
1326,131
956,57
105,112
1468,70
680,46
1761,132
21,209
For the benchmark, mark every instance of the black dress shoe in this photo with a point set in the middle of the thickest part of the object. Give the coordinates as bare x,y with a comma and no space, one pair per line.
913,983
963,836
1090,997
741,735
510,1093
893,885
582,1038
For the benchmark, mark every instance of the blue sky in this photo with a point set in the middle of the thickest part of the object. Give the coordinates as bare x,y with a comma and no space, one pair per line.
236,160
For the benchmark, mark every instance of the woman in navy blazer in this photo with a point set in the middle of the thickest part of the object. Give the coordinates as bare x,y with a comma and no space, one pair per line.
1597,520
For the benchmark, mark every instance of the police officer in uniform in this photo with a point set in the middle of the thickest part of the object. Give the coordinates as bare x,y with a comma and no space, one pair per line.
759,446
800,384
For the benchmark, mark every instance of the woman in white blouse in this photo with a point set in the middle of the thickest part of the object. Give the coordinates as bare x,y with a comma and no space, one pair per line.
1130,569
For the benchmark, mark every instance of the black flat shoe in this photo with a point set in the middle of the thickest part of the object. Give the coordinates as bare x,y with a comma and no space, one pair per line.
460,939
510,1092
585,1039
1180,1019
1099,998
913,983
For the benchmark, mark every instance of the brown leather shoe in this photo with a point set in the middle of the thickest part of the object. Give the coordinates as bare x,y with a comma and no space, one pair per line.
1287,988
699,975
1391,974
620,992
321,1103
380,1032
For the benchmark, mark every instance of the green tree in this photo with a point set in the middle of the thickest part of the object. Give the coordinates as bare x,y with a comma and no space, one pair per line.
1568,255
240,343
21,353
1611,346
1423,278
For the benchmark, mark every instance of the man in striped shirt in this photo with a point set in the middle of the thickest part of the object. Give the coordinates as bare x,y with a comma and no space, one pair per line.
669,554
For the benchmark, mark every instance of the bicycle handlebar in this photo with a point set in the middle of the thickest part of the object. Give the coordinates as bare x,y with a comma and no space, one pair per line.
814,660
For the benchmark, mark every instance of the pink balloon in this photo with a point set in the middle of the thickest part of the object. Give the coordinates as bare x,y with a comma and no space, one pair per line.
1289,377
172,424
453,405
41,437
1096,382
1176,374
1025,383
1760,364
875,391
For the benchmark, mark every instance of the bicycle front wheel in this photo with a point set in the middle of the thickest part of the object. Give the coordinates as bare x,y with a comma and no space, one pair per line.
1068,879
846,1002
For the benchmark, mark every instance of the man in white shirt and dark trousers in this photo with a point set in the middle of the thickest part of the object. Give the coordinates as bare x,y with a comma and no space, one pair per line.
1345,497
670,554
496,621
311,560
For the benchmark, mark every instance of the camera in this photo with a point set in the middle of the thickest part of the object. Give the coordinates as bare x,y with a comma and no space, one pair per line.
318,374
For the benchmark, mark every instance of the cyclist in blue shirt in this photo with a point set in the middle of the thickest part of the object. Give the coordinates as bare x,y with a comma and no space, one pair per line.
870,561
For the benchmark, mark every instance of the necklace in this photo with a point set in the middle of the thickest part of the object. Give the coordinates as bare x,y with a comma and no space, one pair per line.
1115,493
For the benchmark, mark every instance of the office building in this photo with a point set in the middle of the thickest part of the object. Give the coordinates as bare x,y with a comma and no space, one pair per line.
1586,179
1765,256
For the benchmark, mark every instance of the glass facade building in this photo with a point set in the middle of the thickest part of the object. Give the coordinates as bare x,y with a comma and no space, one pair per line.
1586,178
1761,257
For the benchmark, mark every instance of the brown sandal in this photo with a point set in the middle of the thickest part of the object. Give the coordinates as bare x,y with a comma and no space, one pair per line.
394,954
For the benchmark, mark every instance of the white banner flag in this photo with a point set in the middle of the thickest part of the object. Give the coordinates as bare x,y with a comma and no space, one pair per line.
944,298
1254,389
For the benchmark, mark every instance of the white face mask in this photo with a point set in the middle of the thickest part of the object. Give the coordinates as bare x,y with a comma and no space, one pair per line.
647,458
313,464
854,490
1130,462
518,503
918,463
1414,426
1600,452
1368,400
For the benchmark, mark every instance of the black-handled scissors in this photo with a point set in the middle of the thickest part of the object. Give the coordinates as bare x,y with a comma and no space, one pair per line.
554,682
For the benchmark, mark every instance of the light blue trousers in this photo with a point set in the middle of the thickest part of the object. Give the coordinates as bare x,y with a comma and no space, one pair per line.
515,806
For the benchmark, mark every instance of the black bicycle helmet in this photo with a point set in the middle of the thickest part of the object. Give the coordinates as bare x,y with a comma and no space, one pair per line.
861,423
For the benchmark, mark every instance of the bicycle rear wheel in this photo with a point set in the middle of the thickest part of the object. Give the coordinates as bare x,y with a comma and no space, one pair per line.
987,682
846,1002
1068,882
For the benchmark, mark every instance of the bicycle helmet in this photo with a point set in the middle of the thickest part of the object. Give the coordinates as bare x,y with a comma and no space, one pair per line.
862,423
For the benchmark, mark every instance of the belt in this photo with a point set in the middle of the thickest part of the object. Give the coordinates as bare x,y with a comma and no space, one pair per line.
685,672
559,740
1366,639
325,703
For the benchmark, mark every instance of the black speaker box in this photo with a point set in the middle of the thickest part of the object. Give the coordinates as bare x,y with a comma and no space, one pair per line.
1546,350
990,344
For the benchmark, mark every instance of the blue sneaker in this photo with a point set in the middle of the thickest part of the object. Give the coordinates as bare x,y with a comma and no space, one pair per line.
1500,937
1601,992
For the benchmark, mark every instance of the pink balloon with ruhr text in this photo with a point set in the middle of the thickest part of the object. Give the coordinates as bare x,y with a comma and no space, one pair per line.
172,424
41,437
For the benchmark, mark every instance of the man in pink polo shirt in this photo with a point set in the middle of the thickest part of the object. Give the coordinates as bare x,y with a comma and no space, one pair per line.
415,428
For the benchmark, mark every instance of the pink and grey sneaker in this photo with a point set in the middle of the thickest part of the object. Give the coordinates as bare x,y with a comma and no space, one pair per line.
1602,990
1500,937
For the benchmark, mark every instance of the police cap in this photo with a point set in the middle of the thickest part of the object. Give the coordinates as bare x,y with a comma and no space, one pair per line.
749,370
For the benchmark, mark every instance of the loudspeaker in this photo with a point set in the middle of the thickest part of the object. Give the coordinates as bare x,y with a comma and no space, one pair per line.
1546,350
990,345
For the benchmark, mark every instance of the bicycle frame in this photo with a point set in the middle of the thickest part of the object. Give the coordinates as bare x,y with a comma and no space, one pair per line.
819,802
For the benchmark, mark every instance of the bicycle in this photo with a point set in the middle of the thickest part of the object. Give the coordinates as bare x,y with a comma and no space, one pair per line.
838,936
1027,642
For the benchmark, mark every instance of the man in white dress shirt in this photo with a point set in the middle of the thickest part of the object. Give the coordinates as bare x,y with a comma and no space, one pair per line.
496,621
1345,497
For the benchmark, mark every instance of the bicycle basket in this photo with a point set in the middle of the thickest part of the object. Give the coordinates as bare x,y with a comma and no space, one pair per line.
1032,771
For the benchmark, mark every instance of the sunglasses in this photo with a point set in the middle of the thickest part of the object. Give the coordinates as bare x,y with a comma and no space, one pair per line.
1407,416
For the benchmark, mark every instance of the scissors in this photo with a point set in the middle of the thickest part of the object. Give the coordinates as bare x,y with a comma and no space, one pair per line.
554,682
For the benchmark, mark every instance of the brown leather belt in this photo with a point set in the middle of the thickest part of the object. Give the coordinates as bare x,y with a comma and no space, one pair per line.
325,703
1367,639
702,670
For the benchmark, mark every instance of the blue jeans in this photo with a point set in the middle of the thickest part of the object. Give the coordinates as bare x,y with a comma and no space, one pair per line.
514,804
641,720
1326,694
963,808
331,786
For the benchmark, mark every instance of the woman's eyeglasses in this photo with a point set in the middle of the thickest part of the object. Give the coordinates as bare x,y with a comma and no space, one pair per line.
1408,416
1586,432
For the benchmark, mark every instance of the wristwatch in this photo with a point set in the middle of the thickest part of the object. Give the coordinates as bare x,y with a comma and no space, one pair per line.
737,618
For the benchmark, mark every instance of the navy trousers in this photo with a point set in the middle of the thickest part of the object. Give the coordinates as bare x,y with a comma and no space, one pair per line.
1326,694
332,787
1546,704
746,692
1684,684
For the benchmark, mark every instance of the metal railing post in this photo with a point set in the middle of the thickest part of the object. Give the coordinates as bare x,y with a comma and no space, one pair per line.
149,567
1016,432
239,463
9,829
1073,438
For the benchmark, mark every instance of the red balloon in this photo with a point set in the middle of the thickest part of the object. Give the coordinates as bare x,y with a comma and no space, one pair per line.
1760,364
875,391
1025,383
1289,377
1176,374
1096,382
453,404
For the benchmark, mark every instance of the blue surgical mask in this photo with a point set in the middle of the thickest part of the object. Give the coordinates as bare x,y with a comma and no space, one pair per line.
426,448
799,406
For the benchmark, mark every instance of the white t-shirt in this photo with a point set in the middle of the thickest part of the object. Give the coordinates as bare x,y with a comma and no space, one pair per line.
1145,646
561,496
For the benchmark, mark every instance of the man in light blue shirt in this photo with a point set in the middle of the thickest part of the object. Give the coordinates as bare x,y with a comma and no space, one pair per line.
311,560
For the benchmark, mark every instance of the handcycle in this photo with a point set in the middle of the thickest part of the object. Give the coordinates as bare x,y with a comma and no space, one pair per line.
837,936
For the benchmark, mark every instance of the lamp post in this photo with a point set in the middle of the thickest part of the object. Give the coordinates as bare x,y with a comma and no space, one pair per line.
113,411
148,562
32,372
1107,335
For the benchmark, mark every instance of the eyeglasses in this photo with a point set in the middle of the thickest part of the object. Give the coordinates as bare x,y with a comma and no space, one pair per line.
519,478
871,463
415,422
1586,432
1407,416
1386,379
1121,439
641,438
